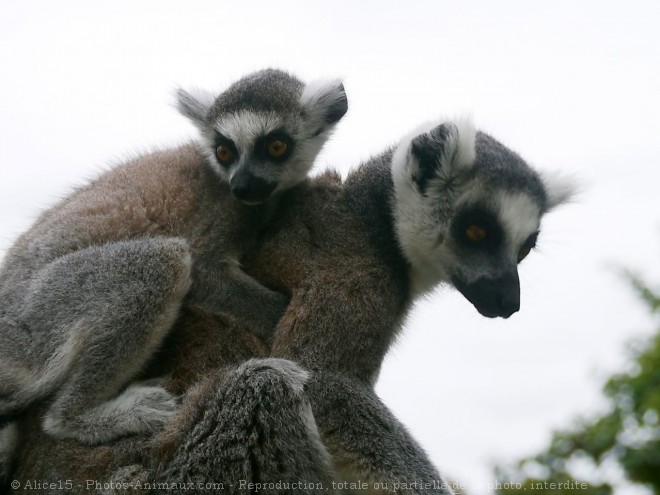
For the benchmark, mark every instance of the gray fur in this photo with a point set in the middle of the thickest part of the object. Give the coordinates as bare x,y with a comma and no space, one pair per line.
265,434
353,282
475,180
8,443
267,103
88,294
502,168
337,248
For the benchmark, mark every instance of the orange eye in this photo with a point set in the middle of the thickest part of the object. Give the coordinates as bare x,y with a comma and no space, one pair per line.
276,148
224,153
475,233
522,254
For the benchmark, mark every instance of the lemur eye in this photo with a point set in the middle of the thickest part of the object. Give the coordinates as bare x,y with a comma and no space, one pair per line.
276,148
224,154
475,233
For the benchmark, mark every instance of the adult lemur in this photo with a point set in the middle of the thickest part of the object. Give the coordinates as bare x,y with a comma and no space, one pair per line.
90,291
446,205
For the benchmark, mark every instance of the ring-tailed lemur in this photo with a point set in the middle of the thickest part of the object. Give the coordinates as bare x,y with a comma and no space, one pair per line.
90,291
447,204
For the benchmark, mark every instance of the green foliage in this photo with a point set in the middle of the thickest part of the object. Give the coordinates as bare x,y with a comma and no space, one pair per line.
627,434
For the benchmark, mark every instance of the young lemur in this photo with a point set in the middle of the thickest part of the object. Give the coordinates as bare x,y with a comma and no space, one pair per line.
447,205
90,291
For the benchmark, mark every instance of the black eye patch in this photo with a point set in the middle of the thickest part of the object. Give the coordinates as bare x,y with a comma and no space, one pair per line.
221,140
263,146
476,228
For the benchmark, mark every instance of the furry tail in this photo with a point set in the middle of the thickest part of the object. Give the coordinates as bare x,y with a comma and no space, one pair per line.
253,418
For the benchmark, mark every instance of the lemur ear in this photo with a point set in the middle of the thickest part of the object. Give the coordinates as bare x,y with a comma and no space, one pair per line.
324,102
441,151
559,188
194,104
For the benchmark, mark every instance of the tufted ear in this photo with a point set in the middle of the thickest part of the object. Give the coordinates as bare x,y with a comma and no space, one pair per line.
194,104
437,153
559,188
324,102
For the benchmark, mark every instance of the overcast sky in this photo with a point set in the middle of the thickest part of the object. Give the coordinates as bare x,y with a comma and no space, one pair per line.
572,86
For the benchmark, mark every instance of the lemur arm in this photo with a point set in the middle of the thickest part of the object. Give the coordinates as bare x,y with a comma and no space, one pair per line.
227,289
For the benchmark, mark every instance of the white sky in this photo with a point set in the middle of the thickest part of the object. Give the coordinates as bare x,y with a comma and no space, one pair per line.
573,86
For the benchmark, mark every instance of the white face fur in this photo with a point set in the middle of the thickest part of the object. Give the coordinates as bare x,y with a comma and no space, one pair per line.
250,131
262,148
456,223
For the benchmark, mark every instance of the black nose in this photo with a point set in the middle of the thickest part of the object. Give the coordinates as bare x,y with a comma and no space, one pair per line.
250,189
493,296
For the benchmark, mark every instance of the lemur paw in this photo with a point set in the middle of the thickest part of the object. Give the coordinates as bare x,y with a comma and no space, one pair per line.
291,373
150,405
139,409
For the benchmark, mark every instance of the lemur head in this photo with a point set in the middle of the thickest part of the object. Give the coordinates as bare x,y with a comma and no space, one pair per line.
263,133
467,211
